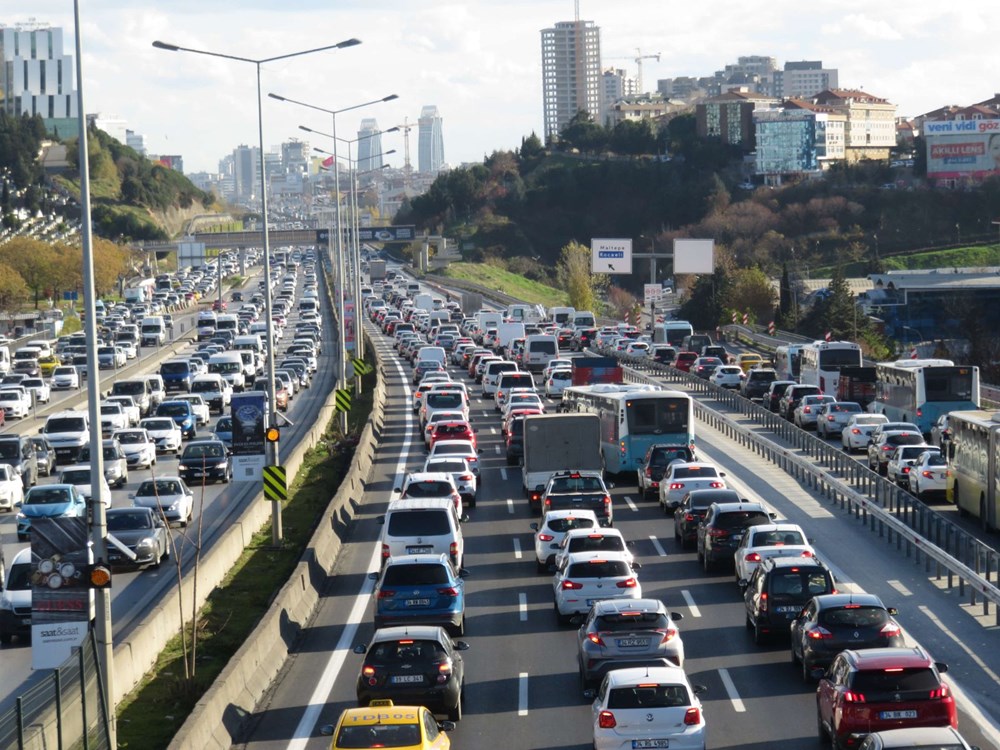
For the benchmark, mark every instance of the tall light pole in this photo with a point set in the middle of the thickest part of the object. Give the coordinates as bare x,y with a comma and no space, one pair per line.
339,243
272,457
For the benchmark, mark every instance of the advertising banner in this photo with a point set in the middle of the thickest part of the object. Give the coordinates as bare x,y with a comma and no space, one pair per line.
349,325
694,256
60,597
249,413
387,234
611,256
962,149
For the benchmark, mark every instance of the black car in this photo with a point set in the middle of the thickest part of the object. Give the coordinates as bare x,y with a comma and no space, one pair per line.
692,510
143,532
778,590
654,465
205,460
830,623
570,490
772,398
45,456
758,382
414,664
720,531
514,441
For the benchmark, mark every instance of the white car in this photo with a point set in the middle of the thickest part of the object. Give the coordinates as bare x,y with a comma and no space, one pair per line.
770,540
647,707
682,477
129,406
38,388
444,398
806,412
198,406
466,482
637,349
15,401
79,475
168,495
858,431
65,377
11,487
526,399
139,448
929,475
553,528
727,376
560,363
901,462
113,417
463,448
602,538
557,381
166,433
587,577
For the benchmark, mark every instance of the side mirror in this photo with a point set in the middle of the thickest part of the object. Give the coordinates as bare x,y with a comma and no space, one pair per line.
326,730
743,583
636,566
447,726
941,666
699,689
772,515
630,543
590,694
41,430
380,520
359,649
892,611
373,576
463,573
461,646
533,526
465,518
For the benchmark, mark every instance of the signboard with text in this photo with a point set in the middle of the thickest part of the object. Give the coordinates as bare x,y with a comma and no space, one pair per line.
651,293
611,256
387,234
249,414
962,149
60,597
349,324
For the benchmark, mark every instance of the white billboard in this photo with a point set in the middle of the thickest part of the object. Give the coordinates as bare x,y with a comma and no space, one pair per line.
694,256
611,256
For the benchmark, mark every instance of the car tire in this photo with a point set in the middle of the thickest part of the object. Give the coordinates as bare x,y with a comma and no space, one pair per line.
807,677
6,638
759,637
460,630
707,564
821,729
540,567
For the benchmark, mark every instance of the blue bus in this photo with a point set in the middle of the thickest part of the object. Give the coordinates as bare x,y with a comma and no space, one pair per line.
921,390
633,417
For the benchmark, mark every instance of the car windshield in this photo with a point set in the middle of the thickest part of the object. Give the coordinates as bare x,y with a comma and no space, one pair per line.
378,735
204,386
646,697
904,439
174,409
175,368
224,425
158,424
854,616
111,409
159,487
130,437
562,525
75,476
663,456
48,495
204,450
415,575
65,424
10,449
848,408
599,569
427,488
131,520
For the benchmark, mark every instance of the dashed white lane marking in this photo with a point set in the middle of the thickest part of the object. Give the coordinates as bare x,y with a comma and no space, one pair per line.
734,697
657,546
493,430
689,600
630,504
485,413
503,474
517,548
497,448
510,506
522,607
522,694
898,585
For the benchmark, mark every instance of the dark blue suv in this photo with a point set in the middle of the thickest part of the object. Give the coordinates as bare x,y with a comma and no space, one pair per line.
177,375
183,415
420,590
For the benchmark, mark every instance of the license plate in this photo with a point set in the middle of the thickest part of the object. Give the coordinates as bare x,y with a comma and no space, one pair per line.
418,550
637,744
198,473
25,620
897,715
400,679
786,609
418,602
633,642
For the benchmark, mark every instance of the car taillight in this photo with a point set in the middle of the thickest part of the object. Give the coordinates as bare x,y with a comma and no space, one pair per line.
717,485
448,591
752,557
535,496
668,634
628,583
386,594
851,697
689,517
906,469
887,448
855,431
606,720
677,485
819,634
571,585
692,717
649,472
607,499
890,630
807,410
595,638
453,549
941,692
369,672
763,602
385,551
466,477
830,418
717,532
545,537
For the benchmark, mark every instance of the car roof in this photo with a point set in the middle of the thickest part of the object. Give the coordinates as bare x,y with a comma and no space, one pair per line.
742,505
421,632
917,737
597,531
839,600
587,556
428,476
423,559
888,658
642,675
389,713
792,562
779,526
607,606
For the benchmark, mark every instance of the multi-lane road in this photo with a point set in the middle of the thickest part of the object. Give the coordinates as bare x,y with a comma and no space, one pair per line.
522,688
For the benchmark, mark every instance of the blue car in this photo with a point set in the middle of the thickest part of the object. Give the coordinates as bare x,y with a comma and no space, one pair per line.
224,432
420,590
182,414
49,501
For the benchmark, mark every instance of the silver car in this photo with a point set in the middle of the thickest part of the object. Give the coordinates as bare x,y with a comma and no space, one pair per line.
834,416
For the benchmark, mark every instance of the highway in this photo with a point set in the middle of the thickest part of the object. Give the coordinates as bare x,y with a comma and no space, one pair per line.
522,686
135,593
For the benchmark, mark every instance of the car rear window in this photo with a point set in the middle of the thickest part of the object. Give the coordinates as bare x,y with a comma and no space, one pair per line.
694,472
419,523
596,543
445,400
415,575
905,439
875,682
562,525
663,456
799,583
620,622
659,696
427,488
576,484
741,519
771,538
599,569
854,616
379,735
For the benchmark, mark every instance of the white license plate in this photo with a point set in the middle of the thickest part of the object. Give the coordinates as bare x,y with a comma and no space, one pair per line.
407,678
418,602
637,744
633,642
888,715
25,620
418,550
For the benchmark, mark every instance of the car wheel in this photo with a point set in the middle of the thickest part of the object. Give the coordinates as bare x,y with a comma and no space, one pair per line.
6,638
541,567
821,728
759,637
807,677
460,630
707,564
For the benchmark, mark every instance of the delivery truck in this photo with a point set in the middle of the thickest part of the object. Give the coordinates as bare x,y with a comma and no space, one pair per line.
558,442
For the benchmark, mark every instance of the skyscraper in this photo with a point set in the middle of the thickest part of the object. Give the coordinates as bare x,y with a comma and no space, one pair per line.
430,144
369,145
36,78
571,73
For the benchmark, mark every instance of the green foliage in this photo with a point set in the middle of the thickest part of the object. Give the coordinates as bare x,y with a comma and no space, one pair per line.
706,304
573,273
20,140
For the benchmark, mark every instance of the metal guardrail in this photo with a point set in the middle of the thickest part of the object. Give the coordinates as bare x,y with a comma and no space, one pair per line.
888,510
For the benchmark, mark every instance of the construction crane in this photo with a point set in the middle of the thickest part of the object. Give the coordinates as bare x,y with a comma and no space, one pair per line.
639,57
407,167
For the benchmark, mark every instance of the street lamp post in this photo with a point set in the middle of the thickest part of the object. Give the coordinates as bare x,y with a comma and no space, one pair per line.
339,243
272,457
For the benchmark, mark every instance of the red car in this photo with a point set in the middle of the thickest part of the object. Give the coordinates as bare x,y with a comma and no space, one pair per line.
219,305
875,689
684,360
452,431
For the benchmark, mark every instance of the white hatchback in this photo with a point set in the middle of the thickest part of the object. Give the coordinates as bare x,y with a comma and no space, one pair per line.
555,525
858,431
770,540
588,577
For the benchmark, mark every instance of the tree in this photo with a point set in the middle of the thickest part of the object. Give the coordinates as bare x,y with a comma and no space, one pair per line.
13,291
573,273
531,147
34,261
583,133
752,292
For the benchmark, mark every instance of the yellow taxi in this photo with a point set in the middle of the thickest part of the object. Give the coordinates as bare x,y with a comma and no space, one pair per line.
383,724
48,364
749,361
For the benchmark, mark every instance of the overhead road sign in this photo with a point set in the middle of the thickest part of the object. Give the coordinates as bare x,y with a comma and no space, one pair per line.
611,255
387,234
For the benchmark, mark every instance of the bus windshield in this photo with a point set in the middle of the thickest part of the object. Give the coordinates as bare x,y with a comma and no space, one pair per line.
832,359
656,416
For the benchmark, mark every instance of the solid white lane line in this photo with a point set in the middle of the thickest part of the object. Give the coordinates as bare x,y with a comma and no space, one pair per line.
522,606
630,504
503,474
689,600
522,694
510,505
657,546
734,696
517,548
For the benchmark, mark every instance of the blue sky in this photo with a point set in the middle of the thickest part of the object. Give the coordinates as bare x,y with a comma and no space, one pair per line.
479,61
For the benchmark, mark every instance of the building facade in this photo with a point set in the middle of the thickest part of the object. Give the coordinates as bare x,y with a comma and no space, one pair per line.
246,174
430,141
571,74
615,86
729,117
803,79
370,145
871,122
796,142
36,78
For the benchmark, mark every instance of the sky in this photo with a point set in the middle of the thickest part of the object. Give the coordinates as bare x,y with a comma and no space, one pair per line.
478,61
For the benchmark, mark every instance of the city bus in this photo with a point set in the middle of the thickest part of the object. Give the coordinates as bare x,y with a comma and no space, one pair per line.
921,390
787,361
672,332
821,362
974,453
633,417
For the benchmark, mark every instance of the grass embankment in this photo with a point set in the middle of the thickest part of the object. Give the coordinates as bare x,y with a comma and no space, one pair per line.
509,283
234,282
151,714
960,257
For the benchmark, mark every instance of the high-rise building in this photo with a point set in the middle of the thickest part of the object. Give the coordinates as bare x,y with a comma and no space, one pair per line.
369,145
571,73
430,144
615,85
803,79
36,78
246,174
135,141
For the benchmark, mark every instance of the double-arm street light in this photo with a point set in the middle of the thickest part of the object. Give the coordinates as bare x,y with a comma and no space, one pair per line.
272,407
339,244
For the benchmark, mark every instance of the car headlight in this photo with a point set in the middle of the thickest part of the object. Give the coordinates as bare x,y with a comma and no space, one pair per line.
21,517
6,604
186,422
172,506
182,467
146,544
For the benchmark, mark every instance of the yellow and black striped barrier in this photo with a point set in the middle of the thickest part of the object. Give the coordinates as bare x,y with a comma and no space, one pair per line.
343,399
275,486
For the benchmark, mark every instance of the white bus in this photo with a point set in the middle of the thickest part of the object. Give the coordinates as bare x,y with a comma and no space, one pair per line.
788,361
921,390
672,332
974,452
821,362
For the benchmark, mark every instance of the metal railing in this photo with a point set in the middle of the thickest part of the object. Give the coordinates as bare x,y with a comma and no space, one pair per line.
945,549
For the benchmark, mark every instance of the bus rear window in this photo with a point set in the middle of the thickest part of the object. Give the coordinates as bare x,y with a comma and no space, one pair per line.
656,416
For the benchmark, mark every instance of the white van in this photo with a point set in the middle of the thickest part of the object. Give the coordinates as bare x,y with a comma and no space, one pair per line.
153,330
435,353
562,315
230,366
254,343
416,527
539,351
4,360
492,373
228,322
583,319
308,304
